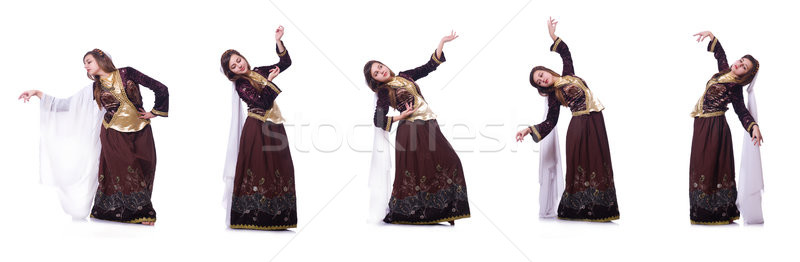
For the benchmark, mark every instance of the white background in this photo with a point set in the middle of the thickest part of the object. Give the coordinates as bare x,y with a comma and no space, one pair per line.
638,57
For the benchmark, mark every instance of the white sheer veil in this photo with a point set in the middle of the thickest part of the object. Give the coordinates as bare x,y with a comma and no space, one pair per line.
380,172
551,181
751,180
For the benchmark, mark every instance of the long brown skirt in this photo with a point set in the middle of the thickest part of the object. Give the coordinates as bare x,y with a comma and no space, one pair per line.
263,189
712,189
429,184
589,193
127,170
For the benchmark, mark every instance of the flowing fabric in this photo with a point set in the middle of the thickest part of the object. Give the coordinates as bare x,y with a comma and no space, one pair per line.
751,180
69,149
379,174
551,180
229,173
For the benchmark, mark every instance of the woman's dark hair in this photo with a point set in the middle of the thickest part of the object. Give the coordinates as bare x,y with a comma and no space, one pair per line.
748,77
104,63
226,69
371,82
546,91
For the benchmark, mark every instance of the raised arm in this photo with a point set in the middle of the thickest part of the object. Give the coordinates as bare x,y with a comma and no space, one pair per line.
436,59
561,48
716,47
161,105
285,61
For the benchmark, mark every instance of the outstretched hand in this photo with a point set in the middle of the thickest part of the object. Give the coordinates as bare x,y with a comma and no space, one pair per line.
452,36
278,33
703,35
26,96
522,133
757,139
551,28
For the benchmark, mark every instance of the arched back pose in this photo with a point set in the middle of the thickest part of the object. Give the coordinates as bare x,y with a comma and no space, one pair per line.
429,185
109,114
712,189
259,172
589,193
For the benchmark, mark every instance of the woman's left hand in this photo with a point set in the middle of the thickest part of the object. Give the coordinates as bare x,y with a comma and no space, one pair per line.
278,33
522,133
145,115
757,138
273,73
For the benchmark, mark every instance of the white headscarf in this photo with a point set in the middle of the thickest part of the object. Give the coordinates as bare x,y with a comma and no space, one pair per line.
551,181
751,180
234,134
380,173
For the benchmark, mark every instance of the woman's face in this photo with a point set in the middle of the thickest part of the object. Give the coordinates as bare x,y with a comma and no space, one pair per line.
380,72
91,66
741,66
543,78
238,65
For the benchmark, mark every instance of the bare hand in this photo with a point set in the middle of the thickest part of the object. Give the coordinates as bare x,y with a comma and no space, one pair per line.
26,96
450,37
551,28
273,73
522,133
703,35
757,138
278,33
409,110
145,115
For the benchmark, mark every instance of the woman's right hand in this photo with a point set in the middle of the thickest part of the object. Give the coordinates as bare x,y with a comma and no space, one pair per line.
551,28
703,35
26,96
409,110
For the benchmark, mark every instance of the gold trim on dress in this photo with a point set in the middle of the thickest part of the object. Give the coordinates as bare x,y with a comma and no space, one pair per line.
536,132
590,220
698,107
555,45
423,111
750,126
433,56
592,104
272,115
240,226
159,113
126,119
258,78
431,222
724,222
282,53
132,221
389,123
713,44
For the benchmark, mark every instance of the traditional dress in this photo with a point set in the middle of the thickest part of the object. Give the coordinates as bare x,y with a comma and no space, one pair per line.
589,193
128,154
712,189
429,185
264,186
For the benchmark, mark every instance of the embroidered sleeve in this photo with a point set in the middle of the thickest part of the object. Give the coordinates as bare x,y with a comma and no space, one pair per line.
161,105
381,110
543,129
283,64
425,69
716,47
253,97
566,57
737,99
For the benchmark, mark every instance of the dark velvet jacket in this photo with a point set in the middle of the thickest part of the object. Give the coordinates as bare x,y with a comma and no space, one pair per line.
131,79
385,94
260,101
